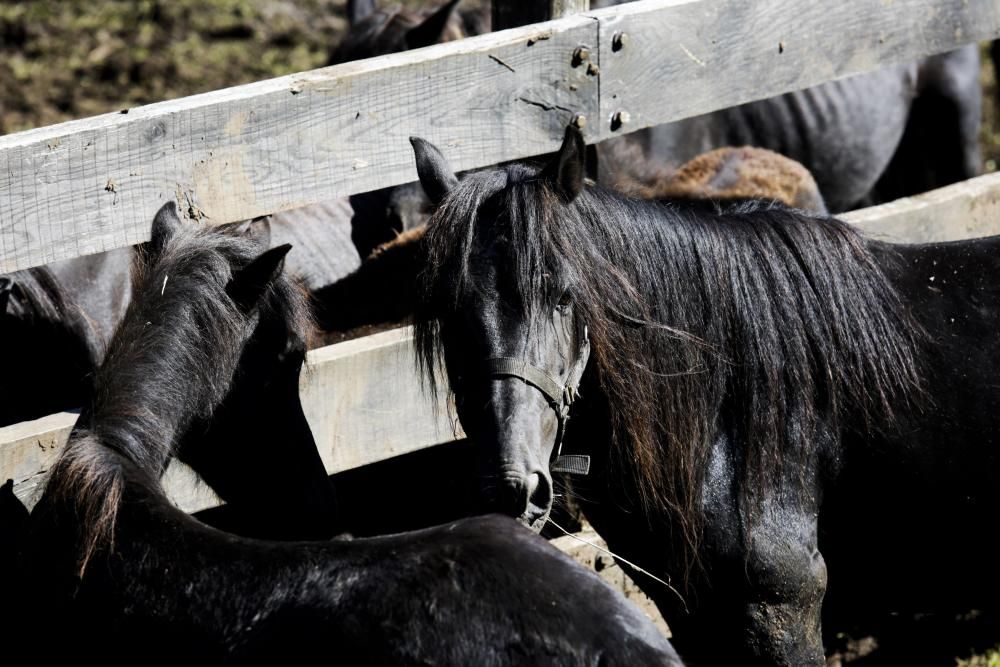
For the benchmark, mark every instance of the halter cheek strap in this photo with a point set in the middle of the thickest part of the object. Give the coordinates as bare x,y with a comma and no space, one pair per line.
560,398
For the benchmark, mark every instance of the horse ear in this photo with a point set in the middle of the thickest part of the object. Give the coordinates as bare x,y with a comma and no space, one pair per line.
165,225
565,173
259,229
248,284
436,177
359,10
430,30
6,285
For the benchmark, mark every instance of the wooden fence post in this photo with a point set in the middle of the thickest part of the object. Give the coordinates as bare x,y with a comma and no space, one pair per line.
513,13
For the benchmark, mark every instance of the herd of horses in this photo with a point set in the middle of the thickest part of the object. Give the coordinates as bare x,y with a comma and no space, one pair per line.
792,424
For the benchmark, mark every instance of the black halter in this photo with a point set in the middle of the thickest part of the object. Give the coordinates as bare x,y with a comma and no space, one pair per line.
560,398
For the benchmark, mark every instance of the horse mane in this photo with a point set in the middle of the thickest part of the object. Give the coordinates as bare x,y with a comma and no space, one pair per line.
170,363
751,319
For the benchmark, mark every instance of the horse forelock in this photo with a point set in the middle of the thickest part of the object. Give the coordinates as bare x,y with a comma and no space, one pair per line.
754,318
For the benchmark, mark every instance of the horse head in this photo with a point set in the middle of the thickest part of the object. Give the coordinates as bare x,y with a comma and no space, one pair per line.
205,366
257,436
500,299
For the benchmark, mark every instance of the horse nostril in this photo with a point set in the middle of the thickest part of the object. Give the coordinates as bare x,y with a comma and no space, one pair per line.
512,498
522,495
539,491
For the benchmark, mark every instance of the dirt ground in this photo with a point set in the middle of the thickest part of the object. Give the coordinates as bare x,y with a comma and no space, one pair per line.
66,60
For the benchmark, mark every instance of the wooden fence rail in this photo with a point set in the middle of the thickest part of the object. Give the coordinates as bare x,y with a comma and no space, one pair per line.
364,400
91,185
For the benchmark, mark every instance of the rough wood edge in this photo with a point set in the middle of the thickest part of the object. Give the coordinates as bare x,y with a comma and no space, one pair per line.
97,229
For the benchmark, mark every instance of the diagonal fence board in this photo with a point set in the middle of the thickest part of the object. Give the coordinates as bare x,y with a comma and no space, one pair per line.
85,186
365,402
363,399
682,58
91,185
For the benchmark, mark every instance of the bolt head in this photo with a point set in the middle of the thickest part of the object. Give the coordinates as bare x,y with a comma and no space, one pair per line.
619,41
619,119
579,121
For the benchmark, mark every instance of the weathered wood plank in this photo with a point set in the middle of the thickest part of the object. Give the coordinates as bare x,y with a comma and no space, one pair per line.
966,210
682,58
363,400
28,449
365,403
92,185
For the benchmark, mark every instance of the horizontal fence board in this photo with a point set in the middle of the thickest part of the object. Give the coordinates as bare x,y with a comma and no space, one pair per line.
966,210
91,185
682,58
85,186
364,400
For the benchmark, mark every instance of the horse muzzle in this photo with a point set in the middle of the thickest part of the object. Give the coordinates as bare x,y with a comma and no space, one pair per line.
526,497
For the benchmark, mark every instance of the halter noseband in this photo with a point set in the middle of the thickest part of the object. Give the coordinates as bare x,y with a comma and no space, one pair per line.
560,398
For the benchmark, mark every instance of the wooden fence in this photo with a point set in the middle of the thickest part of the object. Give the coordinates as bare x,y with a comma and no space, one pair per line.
92,185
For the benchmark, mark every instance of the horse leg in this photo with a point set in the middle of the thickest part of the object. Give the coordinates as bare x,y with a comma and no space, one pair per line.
764,600
786,580
761,579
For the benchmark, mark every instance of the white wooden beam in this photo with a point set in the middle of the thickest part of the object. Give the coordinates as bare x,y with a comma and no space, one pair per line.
662,60
966,210
91,185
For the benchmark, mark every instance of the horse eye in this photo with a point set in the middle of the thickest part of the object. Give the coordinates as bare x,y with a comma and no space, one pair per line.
564,301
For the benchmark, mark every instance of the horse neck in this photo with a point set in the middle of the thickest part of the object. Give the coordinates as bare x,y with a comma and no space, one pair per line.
164,370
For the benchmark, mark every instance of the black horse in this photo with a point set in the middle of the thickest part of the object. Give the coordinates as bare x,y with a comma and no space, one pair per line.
122,572
50,349
767,396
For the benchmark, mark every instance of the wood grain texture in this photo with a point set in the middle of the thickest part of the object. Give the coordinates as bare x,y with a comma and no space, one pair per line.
687,57
91,185
86,186
966,210
28,450
363,399
365,403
